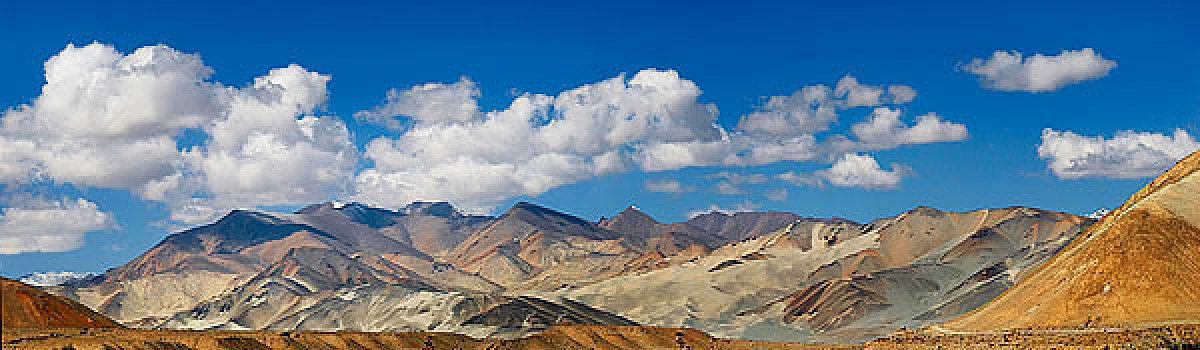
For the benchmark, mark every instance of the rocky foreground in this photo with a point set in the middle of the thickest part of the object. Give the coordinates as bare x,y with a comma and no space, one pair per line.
1165,336
556,337
1182,336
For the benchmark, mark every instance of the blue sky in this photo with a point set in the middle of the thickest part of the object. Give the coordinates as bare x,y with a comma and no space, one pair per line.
737,54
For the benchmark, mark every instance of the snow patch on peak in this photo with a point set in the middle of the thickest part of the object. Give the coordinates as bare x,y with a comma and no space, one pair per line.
1099,213
46,279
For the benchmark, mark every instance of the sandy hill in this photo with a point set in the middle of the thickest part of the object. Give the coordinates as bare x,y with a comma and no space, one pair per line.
23,306
1139,265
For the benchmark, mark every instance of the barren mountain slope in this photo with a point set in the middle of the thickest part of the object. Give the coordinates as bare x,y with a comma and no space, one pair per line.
1140,264
370,246
528,239
641,230
956,275
837,280
742,225
436,227
24,306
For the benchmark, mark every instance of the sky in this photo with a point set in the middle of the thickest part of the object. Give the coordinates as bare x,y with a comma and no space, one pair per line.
125,122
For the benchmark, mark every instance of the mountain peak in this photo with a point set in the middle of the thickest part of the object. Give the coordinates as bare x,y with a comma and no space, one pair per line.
243,216
439,209
547,218
533,209
331,205
926,211
528,206
633,211
630,219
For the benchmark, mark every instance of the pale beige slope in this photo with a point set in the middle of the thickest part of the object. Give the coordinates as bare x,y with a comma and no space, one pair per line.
1139,265
901,271
709,291
153,296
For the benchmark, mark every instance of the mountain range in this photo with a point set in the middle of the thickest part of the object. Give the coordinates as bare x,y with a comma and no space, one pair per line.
428,267
921,278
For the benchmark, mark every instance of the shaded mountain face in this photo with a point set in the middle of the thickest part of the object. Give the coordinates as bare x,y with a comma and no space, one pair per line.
639,229
743,225
632,221
1138,265
537,312
24,306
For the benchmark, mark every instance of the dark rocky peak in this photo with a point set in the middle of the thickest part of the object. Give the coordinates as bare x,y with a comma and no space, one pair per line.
634,215
238,229
926,211
631,221
530,211
438,209
336,206
370,216
249,217
832,220
546,219
710,221
356,212
742,225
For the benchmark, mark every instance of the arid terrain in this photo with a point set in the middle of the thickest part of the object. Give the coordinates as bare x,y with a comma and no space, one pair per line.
349,276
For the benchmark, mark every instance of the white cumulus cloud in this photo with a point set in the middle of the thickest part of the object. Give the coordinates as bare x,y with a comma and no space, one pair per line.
740,178
153,122
106,119
651,121
800,179
667,186
778,194
727,188
36,225
1012,71
861,170
428,103
1128,154
885,130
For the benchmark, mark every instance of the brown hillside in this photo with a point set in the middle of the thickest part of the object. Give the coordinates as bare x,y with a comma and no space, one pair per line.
1139,265
556,337
23,306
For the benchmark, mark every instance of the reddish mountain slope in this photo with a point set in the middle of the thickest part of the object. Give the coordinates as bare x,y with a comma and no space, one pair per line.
23,306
